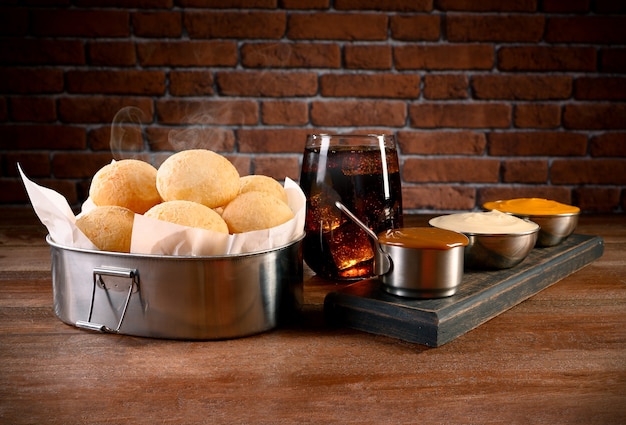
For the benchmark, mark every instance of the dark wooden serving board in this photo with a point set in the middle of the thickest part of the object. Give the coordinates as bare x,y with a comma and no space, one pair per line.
481,296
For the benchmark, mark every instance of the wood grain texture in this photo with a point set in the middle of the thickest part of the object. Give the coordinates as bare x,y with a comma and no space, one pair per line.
557,358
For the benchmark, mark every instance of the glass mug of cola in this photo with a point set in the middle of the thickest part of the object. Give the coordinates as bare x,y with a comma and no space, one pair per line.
361,171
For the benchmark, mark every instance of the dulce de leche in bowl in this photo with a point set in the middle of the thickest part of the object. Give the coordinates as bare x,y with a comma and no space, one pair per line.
426,262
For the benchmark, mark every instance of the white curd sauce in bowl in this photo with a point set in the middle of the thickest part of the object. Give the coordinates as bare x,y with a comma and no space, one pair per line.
484,223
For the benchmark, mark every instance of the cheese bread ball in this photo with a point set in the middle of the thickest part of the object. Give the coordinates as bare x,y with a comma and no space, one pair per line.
198,175
260,183
109,227
255,211
129,183
190,214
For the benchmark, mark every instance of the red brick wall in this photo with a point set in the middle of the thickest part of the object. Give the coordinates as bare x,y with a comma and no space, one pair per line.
488,99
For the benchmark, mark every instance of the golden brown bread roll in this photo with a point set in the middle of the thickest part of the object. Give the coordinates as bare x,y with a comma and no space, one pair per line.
198,175
260,183
108,227
255,211
129,183
188,213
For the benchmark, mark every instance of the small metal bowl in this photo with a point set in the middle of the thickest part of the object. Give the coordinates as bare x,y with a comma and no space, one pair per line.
498,251
496,240
416,262
556,220
428,271
553,229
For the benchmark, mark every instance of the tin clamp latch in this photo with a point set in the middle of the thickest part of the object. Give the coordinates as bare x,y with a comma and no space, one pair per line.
131,285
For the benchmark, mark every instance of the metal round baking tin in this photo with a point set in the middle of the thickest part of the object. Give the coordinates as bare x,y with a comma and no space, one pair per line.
177,297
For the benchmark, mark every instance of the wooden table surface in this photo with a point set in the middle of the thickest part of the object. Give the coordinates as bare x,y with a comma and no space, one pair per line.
556,358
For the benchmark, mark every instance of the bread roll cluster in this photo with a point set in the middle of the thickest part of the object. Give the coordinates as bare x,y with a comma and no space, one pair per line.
195,188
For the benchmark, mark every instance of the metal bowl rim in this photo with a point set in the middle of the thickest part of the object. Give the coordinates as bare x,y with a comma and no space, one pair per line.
424,249
530,216
534,215
174,257
511,234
